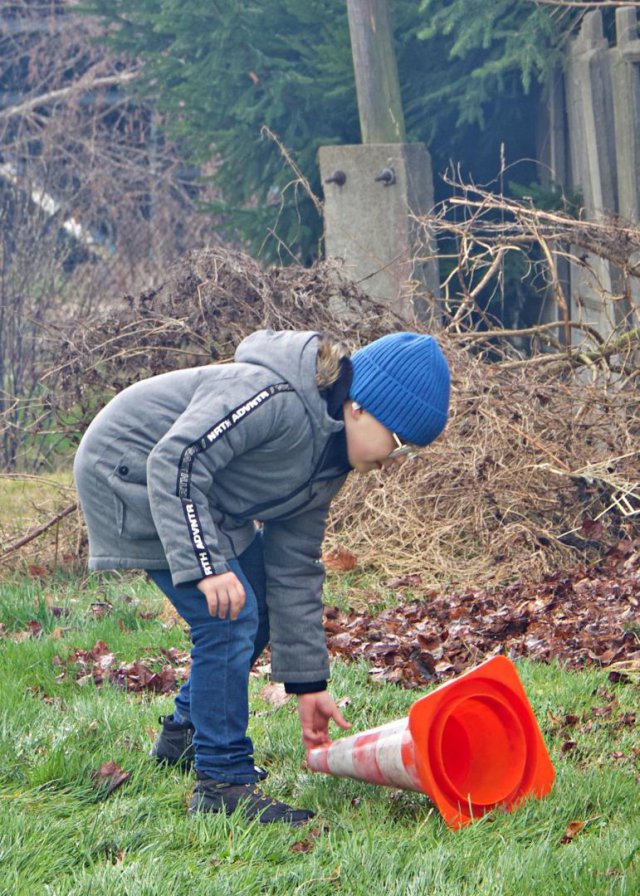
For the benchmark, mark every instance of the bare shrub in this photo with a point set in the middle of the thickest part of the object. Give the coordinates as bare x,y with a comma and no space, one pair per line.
93,203
534,472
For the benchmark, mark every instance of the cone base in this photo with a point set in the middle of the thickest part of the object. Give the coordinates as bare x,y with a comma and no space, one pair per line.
478,745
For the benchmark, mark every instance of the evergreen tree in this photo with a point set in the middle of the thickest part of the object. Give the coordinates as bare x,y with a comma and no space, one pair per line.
222,70
219,71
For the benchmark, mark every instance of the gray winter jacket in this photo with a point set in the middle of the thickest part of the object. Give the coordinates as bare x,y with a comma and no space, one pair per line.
176,469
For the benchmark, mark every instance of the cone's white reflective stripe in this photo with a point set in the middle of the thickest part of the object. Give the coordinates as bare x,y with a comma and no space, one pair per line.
391,761
340,757
375,756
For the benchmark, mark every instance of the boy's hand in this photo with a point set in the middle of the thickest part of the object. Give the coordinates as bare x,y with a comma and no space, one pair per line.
224,594
314,711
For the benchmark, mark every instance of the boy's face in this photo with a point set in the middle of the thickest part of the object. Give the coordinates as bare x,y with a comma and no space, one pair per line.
369,443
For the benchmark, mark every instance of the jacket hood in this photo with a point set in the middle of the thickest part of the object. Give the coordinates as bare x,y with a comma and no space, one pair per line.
291,354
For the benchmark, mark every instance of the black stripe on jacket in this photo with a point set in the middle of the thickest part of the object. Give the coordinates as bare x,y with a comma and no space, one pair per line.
185,468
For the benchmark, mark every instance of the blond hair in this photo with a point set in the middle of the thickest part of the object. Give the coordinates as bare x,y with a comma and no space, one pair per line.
331,352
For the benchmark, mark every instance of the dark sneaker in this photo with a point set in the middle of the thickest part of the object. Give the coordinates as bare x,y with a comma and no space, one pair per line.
213,796
174,746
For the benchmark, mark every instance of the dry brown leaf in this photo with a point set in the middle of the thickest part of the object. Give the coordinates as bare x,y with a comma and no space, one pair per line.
261,669
109,777
580,617
307,844
569,720
274,694
99,665
339,560
575,827
101,608
413,579
572,830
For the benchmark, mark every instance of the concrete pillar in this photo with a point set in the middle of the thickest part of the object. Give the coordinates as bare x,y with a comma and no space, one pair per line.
552,144
371,194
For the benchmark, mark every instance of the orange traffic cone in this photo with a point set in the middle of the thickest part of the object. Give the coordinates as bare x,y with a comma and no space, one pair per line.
471,745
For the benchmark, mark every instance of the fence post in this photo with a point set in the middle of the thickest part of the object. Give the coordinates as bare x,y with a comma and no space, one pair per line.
370,222
625,76
376,72
626,105
593,159
373,192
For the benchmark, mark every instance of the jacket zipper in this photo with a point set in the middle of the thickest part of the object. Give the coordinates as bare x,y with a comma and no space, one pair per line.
267,505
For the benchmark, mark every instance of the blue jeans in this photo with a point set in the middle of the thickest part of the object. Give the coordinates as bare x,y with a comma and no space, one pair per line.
215,699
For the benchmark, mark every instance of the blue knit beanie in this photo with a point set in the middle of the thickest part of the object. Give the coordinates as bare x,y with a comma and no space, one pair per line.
403,380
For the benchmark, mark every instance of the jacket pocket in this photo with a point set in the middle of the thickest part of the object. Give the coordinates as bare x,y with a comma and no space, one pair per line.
128,482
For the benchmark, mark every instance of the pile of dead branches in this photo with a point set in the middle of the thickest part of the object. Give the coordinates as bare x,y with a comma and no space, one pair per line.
208,303
537,469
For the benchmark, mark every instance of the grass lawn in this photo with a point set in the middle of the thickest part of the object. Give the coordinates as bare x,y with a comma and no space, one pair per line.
26,497
60,835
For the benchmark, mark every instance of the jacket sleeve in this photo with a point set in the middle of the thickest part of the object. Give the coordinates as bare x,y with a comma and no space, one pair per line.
181,468
295,576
